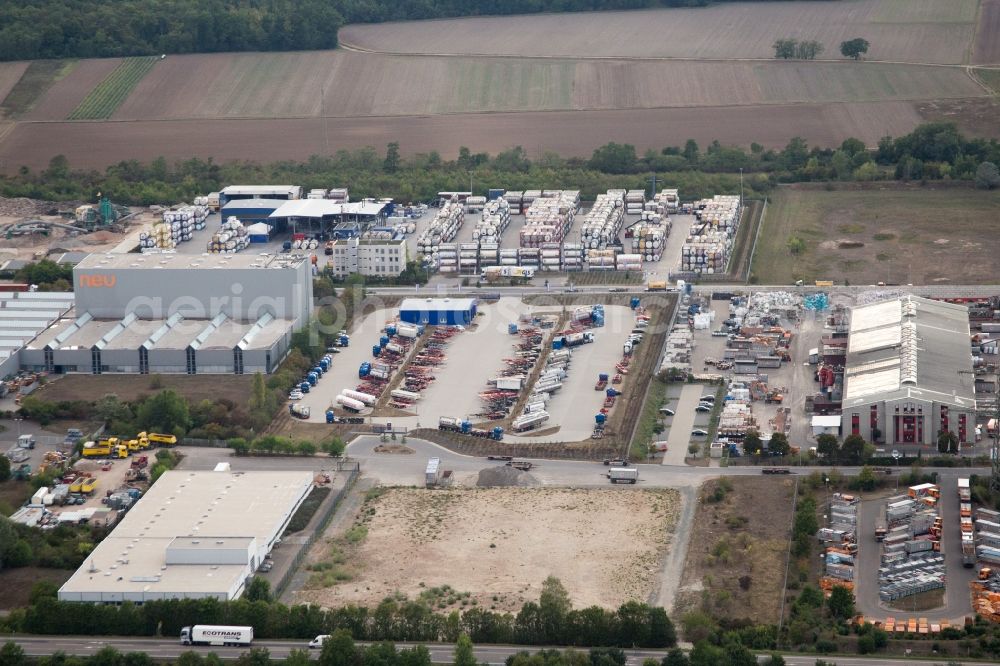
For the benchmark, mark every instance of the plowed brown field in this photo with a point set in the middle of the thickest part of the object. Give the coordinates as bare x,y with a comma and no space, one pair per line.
67,93
10,72
569,133
987,48
937,31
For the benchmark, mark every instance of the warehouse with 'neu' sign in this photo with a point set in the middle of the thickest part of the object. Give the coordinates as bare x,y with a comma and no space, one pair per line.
438,311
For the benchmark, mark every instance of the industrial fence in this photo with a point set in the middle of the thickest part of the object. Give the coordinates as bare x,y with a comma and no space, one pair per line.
322,520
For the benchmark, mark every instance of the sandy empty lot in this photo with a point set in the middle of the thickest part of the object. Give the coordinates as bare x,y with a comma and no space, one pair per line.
499,544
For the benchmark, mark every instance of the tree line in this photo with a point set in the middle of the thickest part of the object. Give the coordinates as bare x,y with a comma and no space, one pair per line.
41,29
550,621
934,151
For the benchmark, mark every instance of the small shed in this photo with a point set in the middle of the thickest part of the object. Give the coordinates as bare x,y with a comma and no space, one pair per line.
438,311
826,425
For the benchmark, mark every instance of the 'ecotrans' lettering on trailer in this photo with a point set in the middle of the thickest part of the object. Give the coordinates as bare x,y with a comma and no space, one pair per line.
98,280
224,634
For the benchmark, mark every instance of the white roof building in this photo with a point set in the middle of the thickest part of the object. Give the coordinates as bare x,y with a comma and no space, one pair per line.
193,535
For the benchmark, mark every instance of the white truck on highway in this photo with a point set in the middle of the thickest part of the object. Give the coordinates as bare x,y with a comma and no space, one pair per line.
623,475
216,634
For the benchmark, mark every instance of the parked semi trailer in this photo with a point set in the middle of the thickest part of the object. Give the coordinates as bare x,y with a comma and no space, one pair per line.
623,475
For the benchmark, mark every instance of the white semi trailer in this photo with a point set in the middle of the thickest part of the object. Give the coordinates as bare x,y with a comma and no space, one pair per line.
216,634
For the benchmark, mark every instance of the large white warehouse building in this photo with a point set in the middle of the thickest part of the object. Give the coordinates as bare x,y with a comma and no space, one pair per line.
909,373
193,535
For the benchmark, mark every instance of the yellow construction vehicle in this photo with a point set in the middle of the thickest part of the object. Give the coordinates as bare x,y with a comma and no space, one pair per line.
96,449
88,486
166,440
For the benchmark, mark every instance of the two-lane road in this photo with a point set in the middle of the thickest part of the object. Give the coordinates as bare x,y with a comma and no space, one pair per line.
441,653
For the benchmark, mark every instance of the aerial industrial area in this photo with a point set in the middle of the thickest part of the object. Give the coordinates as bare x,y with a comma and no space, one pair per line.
661,406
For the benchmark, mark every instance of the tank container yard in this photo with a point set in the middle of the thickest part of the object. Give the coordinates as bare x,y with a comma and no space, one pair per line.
493,222
549,218
231,237
708,246
442,229
603,222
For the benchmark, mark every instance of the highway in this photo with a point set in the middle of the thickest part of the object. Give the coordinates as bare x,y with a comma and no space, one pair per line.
441,653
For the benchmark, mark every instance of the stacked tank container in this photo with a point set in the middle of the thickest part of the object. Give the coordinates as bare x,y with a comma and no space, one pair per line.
668,199
601,260
474,204
338,195
549,218
572,257
550,257
316,194
707,253
158,237
447,257
183,222
529,257
442,229
508,257
515,200
604,221
648,239
468,257
231,237
489,254
494,221
634,201
628,262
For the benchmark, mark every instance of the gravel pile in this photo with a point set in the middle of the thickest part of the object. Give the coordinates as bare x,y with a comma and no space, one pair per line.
504,476
23,207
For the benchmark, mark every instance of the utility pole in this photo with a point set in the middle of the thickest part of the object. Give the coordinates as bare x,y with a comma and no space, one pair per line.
995,450
652,178
741,188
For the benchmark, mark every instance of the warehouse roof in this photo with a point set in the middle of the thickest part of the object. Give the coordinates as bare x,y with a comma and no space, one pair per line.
317,208
260,190
97,262
437,304
239,509
251,204
909,347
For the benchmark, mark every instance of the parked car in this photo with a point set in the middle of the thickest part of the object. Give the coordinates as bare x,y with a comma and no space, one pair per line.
707,398
666,411
703,407
720,333
265,566
616,462
295,395
698,432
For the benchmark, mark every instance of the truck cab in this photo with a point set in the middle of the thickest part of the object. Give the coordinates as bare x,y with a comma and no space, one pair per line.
26,441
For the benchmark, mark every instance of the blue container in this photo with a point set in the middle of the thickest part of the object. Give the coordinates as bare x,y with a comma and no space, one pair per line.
557,343
600,418
498,433
376,350
495,193
325,364
319,370
466,427
390,330
602,377
688,288
134,493
512,329
383,341
364,369
286,246
635,302
344,341
304,387
330,417
312,378
694,309
611,393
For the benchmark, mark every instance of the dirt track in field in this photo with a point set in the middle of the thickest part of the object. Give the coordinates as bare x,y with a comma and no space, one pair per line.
569,133
987,46
67,93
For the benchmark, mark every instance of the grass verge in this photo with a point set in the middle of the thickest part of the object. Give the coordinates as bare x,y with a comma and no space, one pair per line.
656,397
34,83
307,509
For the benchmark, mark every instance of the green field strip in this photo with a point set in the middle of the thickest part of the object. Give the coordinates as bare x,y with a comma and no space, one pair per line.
991,77
32,85
108,95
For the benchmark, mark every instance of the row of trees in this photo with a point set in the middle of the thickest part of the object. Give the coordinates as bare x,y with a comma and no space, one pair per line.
551,620
932,151
810,49
33,29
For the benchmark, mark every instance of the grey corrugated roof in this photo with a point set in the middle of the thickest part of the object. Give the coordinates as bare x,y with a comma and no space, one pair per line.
910,347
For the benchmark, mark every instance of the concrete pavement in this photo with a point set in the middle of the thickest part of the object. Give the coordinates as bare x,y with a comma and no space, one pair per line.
681,424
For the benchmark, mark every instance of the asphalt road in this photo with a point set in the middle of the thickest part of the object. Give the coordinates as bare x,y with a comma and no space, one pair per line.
36,646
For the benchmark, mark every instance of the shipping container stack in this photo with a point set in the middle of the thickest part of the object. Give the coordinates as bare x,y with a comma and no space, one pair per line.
515,201
316,194
178,226
338,195
508,257
468,258
667,201
709,245
447,256
489,254
911,556
572,257
442,229
634,201
474,204
550,257
494,221
231,237
529,257
839,539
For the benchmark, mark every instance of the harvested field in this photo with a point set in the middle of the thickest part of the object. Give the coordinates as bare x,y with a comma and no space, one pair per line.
67,93
129,387
987,47
10,74
902,30
499,544
104,98
27,92
735,563
908,234
275,85
977,117
571,134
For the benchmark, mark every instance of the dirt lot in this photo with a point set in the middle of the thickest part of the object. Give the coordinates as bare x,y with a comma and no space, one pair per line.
736,555
911,30
987,46
977,117
499,544
570,133
894,234
17,584
10,73
130,387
